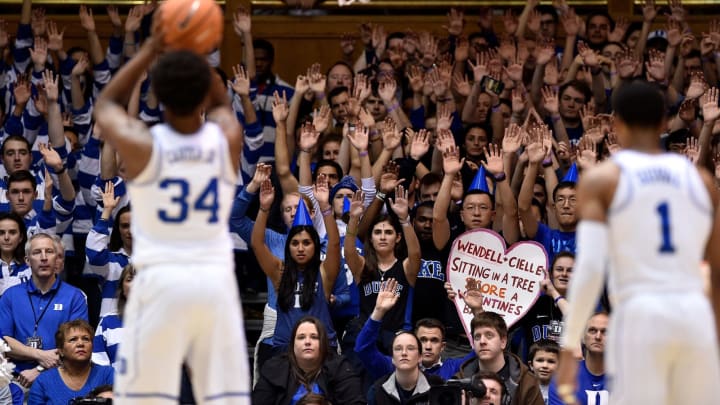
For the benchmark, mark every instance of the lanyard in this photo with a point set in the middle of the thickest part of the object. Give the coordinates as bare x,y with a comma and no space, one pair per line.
37,320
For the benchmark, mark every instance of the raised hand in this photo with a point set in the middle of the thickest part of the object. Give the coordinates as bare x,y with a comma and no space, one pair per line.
697,85
628,64
709,102
452,164
87,21
308,137
242,23
612,144
533,21
241,84
80,66
114,16
677,11
415,76
391,135
38,53
55,37
262,173
279,107
536,149
386,90
321,118
480,68
444,140
399,204
513,138
134,18
518,101
674,35
267,195
444,117
551,103
321,190
692,149
387,297
357,204
571,23
494,164
389,177
649,11
302,85
473,296
462,49
361,89
586,154
51,86
21,91
359,138
461,84
456,22
589,56
37,22
50,156
108,197
656,65
621,26
420,144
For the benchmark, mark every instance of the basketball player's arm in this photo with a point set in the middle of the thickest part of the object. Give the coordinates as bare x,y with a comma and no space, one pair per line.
712,252
595,191
127,134
220,112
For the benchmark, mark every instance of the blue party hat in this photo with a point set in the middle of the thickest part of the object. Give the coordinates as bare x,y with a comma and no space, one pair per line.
302,216
479,183
572,175
346,205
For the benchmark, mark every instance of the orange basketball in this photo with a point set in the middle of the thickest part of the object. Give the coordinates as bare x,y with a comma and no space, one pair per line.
194,25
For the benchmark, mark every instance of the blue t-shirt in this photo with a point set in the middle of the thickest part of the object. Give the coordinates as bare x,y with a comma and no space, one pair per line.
555,241
591,389
50,389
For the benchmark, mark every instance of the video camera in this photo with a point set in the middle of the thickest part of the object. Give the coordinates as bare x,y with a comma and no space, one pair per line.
91,401
450,393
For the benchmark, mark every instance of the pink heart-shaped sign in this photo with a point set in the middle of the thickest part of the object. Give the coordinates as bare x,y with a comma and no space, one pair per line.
510,279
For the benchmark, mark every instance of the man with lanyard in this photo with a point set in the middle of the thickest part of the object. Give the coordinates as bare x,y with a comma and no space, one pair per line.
31,312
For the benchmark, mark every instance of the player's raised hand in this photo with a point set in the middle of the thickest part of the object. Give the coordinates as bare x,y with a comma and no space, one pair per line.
110,201
386,298
267,195
279,107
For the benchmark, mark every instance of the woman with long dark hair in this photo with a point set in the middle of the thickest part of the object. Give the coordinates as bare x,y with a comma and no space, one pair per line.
385,258
13,235
302,280
309,366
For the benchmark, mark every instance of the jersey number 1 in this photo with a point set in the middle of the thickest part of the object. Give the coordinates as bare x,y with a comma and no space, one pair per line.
207,201
663,209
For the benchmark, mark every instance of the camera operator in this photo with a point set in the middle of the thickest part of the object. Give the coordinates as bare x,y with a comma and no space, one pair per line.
494,389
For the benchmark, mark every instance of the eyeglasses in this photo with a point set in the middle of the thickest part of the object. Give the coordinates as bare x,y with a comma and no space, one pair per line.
572,201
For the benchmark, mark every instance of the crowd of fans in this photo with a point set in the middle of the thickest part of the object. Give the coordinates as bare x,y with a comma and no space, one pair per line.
355,181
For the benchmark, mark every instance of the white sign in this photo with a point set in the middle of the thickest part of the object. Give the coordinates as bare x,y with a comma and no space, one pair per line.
510,279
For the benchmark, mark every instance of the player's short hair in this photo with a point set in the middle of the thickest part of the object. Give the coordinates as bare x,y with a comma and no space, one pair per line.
21,175
489,320
39,235
639,105
15,138
544,345
181,81
430,323
66,327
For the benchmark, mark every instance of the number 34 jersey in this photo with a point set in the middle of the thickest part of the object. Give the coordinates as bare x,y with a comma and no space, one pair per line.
660,221
181,200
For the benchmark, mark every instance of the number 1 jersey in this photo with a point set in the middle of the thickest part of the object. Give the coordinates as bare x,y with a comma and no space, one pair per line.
181,200
660,221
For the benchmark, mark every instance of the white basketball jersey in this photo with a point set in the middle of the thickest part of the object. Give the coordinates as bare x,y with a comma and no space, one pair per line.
659,220
181,201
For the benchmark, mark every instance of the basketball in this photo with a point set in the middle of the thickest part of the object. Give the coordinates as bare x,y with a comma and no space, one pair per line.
194,25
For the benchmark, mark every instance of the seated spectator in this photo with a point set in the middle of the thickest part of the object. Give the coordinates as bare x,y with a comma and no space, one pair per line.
494,389
309,366
591,386
13,269
490,336
77,375
543,362
109,331
407,384
31,312
430,332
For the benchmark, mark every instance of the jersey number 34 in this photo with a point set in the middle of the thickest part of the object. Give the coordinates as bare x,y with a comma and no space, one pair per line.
207,201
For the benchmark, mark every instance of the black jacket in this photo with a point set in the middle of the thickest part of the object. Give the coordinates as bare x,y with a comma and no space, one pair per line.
384,391
338,381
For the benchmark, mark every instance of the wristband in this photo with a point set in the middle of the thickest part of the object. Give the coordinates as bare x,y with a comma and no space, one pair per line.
380,195
305,150
363,153
326,212
555,119
496,108
500,177
61,171
264,209
405,222
547,163
393,107
558,299
320,95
